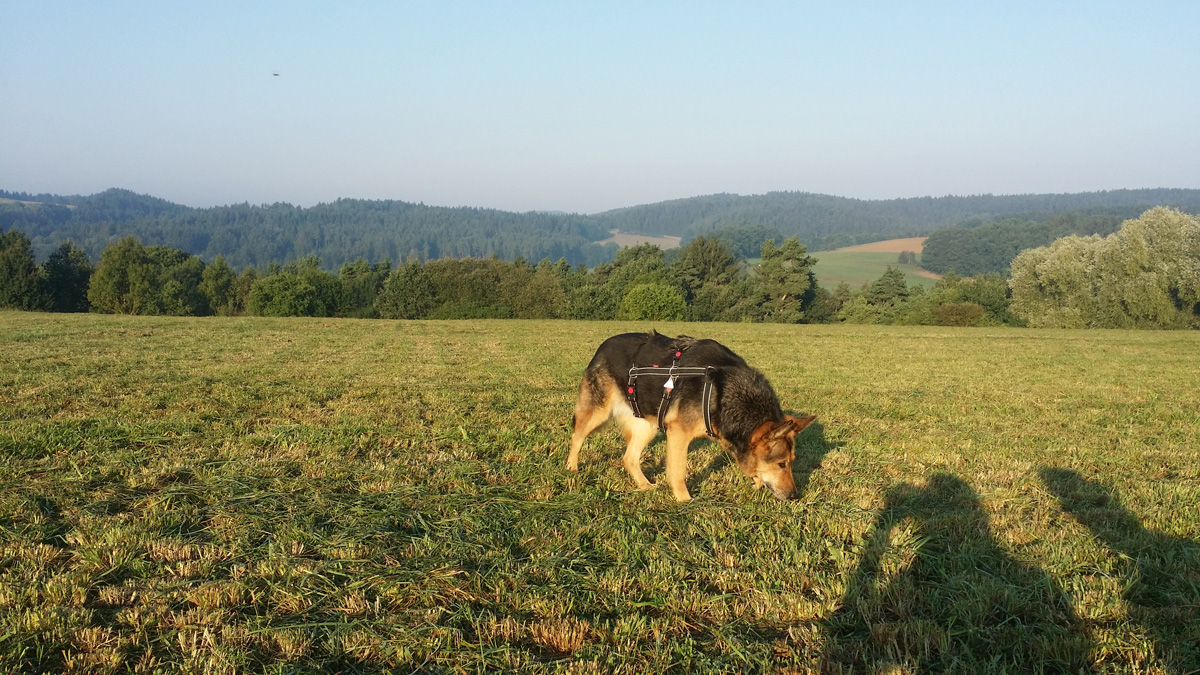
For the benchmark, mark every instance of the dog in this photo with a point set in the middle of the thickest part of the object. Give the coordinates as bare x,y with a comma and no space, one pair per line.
637,377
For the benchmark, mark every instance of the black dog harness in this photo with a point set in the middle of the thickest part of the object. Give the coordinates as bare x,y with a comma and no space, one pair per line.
669,388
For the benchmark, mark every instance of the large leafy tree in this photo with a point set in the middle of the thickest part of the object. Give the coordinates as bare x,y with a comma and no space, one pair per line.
282,295
704,261
652,302
635,265
534,293
326,288
124,281
408,293
219,285
361,283
591,302
1146,275
136,279
178,277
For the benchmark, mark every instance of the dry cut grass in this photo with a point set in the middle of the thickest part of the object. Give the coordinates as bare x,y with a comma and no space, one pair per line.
229,495
914,244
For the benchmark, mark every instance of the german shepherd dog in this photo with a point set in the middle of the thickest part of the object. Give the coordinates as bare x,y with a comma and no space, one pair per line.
743,412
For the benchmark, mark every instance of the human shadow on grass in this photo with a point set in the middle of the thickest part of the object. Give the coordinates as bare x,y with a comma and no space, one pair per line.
1162,572
934,592
54,528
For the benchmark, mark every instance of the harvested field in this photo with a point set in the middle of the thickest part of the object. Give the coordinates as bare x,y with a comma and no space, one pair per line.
224,495
624,239
914,244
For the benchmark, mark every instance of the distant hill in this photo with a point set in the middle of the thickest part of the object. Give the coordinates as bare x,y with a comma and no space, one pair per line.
337,232
346,229
824,222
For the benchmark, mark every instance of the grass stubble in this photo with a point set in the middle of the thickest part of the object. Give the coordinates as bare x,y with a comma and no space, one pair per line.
278,495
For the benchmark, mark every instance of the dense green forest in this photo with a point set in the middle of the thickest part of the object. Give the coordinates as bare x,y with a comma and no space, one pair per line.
824,222
338,232
350,229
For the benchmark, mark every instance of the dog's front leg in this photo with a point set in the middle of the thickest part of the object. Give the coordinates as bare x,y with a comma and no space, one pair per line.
638,434
677,450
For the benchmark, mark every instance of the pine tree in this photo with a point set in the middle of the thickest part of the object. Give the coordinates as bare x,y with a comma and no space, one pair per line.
19,275
784,278
65,277
889,289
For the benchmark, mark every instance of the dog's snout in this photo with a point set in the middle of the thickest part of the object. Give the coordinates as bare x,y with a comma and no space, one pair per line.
781,492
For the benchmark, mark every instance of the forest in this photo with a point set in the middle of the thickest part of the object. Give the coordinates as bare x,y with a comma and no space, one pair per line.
1144,275
338,232
348,229
824,222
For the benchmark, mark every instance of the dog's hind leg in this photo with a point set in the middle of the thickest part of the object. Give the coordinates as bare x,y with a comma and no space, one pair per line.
638,433
588,418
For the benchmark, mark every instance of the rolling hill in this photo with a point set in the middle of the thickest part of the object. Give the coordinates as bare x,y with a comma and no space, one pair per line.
340,231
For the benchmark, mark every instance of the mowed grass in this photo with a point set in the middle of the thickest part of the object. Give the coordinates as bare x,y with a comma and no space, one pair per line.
859,267
281,495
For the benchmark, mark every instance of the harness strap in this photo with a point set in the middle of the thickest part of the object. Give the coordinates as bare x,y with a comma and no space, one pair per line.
669,389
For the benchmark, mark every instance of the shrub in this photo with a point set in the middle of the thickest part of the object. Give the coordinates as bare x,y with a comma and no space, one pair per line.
959,314
655,302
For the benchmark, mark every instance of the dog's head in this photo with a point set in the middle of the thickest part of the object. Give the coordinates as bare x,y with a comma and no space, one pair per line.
771,452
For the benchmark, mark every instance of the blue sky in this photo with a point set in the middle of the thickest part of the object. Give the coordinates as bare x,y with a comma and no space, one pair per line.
589,106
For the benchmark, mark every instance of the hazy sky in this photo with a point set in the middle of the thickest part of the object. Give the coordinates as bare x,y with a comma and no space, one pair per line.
588,106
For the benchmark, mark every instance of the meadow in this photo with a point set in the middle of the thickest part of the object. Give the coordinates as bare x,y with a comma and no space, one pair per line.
858,267
216,495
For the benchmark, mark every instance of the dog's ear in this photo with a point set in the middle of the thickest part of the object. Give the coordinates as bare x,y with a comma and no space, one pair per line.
786,429
792,426
801,422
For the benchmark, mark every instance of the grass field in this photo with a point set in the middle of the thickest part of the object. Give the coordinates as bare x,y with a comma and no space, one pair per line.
283,495
859,267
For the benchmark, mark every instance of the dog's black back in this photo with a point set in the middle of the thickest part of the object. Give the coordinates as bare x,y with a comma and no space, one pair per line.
743,398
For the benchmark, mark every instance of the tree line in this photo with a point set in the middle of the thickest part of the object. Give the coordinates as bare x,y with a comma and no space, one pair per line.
974,247
702,281
1145,275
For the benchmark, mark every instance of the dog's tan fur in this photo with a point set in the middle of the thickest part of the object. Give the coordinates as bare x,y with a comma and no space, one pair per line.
767,458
